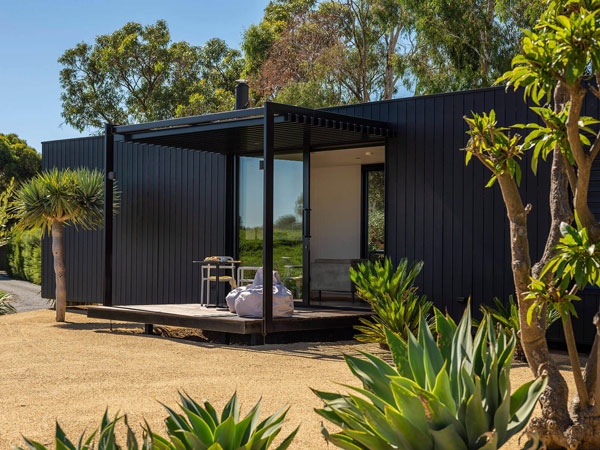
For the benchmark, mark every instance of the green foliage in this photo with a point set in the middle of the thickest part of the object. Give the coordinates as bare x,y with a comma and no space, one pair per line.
5,212
575,265
137,74
24,254
465,44
18,161
497,150
5,306
103,438
71,196
577,258
200,427
393,298
451,394
505,317
562,46
545,137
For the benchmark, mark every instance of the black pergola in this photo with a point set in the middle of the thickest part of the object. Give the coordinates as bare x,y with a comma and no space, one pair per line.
273,128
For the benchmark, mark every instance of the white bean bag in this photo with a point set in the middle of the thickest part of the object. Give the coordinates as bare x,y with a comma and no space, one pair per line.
247,301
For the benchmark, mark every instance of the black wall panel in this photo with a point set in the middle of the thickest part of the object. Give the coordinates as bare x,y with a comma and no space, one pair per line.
172,212
439,211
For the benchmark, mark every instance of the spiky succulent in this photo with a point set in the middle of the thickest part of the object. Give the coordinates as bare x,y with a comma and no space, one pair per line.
451,394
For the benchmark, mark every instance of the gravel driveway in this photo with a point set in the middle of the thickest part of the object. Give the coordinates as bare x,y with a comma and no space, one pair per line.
26,295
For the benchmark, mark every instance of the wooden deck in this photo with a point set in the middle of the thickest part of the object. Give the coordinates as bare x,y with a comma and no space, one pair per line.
212,319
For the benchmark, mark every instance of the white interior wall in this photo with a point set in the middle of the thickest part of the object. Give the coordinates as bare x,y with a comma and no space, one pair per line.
335,216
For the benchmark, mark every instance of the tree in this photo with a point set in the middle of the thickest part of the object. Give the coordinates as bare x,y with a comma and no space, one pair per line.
557,67
55,199
332,52
220,68
465,44
18,161
137,74
5,213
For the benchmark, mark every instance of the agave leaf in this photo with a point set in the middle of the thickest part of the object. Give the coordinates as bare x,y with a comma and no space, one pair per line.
370,441
193,441
523,412
200,427
476,420
416,359
448,438
442,390
428,343
502,414
445,328
487,441
399,351
410,406
380,425
370,376
288,440
32,445
231,409
411,437
345,442
225,433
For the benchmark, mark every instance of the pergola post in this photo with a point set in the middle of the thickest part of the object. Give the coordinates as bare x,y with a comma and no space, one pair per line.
269,166
109,156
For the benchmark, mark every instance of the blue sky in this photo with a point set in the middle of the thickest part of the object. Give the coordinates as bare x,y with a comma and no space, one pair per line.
34,33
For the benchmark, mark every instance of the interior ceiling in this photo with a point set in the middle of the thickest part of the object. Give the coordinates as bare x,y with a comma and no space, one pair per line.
344,157
349,157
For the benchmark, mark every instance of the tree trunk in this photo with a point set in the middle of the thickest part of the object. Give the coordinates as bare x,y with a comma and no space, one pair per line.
59,269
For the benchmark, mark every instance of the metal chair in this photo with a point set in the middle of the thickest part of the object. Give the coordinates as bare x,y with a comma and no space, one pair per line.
241,276
207,278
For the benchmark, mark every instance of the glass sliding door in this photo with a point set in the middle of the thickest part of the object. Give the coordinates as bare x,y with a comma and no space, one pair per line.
287,216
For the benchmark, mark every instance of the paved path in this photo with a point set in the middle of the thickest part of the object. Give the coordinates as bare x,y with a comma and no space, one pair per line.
26,295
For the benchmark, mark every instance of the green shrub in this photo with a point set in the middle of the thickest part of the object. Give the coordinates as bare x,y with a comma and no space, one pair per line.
200,427
451,394
25,256
393,298
506,318
5,306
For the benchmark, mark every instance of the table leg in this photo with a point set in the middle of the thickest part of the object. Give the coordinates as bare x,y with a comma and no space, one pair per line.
218,300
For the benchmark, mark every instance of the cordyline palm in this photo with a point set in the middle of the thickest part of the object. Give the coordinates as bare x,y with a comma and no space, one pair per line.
56,198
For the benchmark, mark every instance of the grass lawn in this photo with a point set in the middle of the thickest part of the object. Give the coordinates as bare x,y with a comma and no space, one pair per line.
71,372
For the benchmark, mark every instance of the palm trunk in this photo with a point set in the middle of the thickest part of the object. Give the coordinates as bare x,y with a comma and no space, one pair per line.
59,269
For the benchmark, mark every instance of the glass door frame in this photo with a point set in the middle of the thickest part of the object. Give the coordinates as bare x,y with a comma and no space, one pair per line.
364,202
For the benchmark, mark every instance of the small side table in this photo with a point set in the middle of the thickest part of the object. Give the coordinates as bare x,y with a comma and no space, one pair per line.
217,264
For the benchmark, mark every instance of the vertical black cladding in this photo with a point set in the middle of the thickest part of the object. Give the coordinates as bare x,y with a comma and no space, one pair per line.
158,229
439,211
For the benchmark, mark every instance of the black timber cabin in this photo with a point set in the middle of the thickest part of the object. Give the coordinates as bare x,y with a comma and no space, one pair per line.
296,190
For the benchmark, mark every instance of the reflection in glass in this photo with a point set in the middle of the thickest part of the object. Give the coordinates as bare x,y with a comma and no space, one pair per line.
287,217
375,214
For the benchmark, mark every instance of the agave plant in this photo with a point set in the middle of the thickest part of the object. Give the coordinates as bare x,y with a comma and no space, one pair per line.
506,317
200,427
102,438
451,394
5,305
393,298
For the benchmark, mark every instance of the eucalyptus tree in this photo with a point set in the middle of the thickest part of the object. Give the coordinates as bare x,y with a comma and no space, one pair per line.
57,198
557,67
136,74
18,161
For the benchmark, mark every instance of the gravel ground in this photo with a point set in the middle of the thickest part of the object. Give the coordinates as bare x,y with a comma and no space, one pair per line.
26,295
71,372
